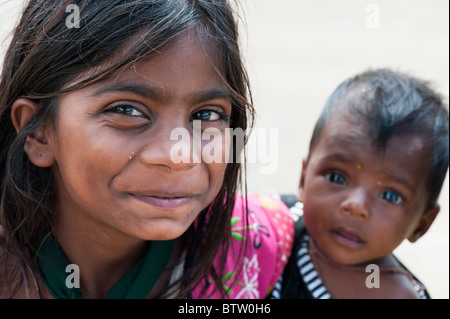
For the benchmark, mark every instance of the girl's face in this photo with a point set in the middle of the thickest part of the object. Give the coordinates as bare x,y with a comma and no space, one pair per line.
360,203
117,166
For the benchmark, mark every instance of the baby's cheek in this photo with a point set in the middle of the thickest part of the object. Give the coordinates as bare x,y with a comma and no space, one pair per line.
310,220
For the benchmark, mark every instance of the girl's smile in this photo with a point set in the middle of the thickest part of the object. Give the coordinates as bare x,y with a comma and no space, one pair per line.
144,195
165,203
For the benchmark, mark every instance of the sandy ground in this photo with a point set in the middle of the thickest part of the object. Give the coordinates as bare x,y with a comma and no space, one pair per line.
298,51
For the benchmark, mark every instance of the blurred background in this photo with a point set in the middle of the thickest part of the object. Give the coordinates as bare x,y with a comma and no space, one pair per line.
297,52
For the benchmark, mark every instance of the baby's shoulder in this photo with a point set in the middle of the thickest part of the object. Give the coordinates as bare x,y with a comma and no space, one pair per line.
400,283
394,286
395,281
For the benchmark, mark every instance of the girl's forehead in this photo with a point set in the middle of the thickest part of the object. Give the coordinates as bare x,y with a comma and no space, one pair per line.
180,71
188,40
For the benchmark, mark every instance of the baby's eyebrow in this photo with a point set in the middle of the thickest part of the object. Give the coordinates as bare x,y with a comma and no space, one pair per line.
400,180
338,157
393,176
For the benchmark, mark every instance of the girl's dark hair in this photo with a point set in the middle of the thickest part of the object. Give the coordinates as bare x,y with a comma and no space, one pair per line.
46,58
391,103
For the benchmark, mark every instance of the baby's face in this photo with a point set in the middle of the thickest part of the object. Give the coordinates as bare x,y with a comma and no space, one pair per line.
126,161
361,203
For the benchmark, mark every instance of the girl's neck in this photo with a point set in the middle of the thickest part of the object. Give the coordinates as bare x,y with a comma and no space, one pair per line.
103,258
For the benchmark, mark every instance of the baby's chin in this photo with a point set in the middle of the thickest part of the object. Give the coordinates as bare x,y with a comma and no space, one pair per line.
340,256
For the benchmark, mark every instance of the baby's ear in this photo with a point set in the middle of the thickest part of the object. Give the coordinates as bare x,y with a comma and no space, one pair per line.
301,184
36,144
424,223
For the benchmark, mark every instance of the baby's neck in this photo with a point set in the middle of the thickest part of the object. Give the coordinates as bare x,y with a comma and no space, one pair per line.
356,281
384,262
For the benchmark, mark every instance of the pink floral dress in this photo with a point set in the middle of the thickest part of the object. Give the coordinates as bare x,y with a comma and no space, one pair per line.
271,234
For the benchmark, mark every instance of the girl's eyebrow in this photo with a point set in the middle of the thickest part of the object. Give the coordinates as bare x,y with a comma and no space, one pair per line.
156,94
144,91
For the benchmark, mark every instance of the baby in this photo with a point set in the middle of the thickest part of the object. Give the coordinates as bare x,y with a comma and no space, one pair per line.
377,160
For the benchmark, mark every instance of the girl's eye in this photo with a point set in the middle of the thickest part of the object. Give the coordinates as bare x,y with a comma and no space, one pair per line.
336,178
126,110
391,197
207,115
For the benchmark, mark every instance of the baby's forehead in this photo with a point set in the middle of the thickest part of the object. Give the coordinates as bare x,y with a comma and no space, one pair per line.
346,135
345,122
350,130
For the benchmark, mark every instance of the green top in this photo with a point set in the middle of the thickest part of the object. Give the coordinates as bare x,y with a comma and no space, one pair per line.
135,284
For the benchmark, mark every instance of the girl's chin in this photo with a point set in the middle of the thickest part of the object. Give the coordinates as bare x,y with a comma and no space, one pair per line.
167,231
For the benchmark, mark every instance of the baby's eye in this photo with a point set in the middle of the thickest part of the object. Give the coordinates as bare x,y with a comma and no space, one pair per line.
391,197
126,110
336,178
207,115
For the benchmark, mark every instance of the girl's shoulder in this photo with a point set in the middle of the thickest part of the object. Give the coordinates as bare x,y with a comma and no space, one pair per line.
265,235
270,227
5,264
9,264
271,237
270,224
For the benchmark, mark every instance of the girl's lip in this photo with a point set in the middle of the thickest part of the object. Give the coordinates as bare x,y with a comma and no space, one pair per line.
347,237
166,203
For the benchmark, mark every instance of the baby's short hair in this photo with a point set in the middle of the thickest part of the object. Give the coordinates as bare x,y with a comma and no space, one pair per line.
392,103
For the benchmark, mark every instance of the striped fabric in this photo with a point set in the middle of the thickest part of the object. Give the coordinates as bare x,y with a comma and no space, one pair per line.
309,273
311,277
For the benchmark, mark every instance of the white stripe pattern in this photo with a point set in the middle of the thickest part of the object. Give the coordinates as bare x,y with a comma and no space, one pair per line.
309,273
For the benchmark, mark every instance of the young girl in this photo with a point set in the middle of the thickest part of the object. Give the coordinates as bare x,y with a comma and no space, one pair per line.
99,199
377,160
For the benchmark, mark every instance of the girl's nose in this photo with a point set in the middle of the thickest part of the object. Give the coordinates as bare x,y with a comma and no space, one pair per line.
172,146
356,204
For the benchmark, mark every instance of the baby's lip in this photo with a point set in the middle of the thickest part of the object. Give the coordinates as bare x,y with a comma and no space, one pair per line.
347,236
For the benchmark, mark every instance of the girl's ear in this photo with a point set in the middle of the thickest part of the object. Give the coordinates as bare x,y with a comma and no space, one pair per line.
424,223
302,181
36,144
